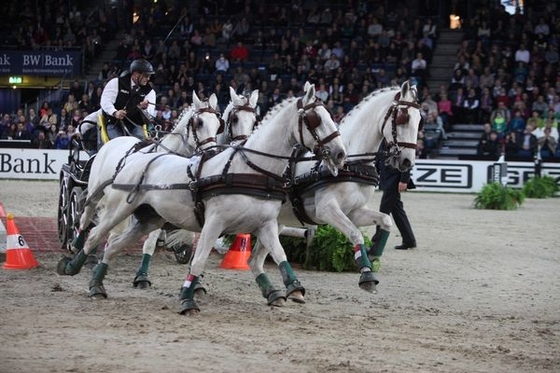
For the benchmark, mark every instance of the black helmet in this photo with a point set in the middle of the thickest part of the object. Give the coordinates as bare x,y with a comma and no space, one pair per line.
142,66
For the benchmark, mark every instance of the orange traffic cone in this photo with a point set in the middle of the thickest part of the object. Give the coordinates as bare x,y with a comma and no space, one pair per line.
18,254
238,253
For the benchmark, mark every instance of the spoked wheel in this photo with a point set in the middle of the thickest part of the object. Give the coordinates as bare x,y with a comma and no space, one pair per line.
75,207
182,252
63,212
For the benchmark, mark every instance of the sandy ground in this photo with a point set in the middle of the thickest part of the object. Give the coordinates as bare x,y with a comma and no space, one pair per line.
479,294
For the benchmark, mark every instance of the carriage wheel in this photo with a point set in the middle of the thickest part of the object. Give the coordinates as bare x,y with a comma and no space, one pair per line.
73,212
182,252
63,212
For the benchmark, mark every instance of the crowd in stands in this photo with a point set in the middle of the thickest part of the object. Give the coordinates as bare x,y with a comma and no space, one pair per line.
506,74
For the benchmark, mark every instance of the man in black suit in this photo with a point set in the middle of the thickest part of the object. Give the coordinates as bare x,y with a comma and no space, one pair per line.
392,182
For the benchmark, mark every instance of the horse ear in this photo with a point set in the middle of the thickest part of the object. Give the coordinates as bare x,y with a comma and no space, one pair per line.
196,101
232,94
405,87
254,99
213,101
306,86
309,94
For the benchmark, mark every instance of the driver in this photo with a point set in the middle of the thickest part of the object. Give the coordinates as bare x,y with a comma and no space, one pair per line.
122,101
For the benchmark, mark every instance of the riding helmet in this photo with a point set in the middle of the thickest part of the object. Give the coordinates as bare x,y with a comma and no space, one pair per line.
142,66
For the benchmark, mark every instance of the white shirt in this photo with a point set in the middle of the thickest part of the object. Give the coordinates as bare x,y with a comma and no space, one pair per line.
109,96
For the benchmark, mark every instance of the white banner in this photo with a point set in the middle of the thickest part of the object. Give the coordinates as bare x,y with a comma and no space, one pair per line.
428,174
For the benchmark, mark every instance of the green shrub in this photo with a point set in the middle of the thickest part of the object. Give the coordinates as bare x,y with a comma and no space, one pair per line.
495,196
331,251
540,187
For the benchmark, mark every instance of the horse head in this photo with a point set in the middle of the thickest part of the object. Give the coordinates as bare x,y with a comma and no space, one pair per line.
199,124
240,117
400,128
321,136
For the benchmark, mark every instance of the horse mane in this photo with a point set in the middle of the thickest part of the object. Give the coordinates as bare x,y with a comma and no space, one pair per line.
180,117
366,99
272,112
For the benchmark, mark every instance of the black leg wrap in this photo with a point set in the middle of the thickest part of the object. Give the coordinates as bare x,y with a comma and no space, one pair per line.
188,305
199,289
142,281
275,298
96,287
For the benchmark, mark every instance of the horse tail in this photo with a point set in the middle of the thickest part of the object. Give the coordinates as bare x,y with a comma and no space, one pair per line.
179,236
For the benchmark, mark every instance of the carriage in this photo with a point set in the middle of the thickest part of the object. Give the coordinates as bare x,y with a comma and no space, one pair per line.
73,184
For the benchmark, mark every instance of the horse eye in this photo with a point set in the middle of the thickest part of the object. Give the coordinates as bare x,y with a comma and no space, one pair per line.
235,119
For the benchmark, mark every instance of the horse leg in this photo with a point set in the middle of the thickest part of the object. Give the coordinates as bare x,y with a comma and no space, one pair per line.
273,296
68,266
333,215
268,236
71,267
366,217
141,279
115,244
210,233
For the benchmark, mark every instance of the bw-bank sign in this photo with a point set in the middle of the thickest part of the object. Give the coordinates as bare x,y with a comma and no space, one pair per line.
43,62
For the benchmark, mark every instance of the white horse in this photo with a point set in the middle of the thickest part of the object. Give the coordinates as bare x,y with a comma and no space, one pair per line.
240,120
390,113
195,130
239,190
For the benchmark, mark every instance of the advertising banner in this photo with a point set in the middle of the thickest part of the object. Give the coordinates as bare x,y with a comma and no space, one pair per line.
41,62
457,176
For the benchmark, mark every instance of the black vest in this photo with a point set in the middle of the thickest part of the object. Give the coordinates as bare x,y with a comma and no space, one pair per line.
128,100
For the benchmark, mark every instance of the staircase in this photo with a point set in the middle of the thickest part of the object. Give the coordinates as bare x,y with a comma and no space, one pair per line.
107,55
444,58
462,141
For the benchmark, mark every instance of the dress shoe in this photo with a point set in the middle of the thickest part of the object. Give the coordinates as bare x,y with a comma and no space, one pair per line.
405,246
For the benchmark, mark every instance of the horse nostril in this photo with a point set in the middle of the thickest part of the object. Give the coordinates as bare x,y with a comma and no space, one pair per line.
406,164
340,157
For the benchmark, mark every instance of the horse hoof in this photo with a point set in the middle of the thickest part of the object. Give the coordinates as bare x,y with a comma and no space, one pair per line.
297,296
141,282
61,266
189,307
142,285
97,292
276,298
368,282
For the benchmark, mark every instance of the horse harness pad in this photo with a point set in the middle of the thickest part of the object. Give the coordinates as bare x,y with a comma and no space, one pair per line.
356,172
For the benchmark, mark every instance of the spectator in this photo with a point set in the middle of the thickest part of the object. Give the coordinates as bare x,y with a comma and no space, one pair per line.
222,64
41,141
547,143
527,143
517,123
522,54
511,147
490,147
471,107
21,132
419,67
62,140
239,53
48,119
444,106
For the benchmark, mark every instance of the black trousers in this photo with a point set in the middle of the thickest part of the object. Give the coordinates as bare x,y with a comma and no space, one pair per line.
391,203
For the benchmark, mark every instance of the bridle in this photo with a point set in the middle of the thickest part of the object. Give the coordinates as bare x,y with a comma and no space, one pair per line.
311,119
232,117
194,123
398,112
